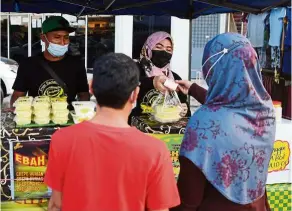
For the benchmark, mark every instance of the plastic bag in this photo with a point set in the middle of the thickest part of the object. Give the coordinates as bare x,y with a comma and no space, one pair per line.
167,107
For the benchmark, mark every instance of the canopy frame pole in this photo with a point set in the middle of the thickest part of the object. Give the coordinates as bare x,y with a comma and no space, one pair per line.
242,8
279,3
8,35
202,10
80,5
108,4
223,3
140,4
191,13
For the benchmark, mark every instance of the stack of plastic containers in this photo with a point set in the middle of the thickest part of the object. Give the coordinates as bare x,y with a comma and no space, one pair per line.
41,110
59,110
23,110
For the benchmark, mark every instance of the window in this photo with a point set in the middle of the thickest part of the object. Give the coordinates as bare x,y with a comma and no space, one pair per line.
204,29
18,37
4,19
101,37
77,38
36,30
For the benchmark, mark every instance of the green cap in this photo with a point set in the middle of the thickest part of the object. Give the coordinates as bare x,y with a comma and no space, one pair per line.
56,23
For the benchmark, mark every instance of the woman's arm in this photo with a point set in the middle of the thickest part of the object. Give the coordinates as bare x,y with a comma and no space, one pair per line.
191,184
193,89
198,92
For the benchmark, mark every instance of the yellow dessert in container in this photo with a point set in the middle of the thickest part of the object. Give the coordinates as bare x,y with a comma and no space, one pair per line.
59,110
84,107
23,110
80,118
41,104
21,121
23,113
23,103
59,103
42,110
59,99
42,113
60,120
41,120
167,114
42,98
60,113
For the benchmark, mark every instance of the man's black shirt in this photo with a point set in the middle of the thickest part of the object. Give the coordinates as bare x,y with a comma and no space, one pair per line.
33,79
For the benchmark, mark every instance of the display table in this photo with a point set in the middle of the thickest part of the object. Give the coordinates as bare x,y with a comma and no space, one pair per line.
24,158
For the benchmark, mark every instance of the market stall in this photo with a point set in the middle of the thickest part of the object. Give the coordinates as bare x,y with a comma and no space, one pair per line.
24,150
270,35
24,158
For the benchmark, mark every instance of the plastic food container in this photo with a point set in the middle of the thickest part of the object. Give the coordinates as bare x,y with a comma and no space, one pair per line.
80,118
42,98
278,110
42,113
167,114
60,120
41,120
41,104
84,107
60,106
59,103
58,99
60,113
22,120
23,113
23,103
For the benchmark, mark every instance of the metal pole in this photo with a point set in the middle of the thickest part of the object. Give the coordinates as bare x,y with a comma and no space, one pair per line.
86,36
191,12
190,47
43,44
228,22
241,32
8,36
29,35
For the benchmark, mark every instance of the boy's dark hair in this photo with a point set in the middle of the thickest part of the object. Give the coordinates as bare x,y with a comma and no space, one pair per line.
115,76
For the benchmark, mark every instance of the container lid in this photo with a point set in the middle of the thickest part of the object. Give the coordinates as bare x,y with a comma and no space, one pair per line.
277,103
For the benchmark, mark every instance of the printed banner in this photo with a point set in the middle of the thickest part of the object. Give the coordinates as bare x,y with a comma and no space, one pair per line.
173,142
25,205
279,160
280,156
28,168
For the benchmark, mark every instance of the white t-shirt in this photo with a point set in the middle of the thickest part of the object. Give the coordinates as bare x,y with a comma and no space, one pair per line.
256,28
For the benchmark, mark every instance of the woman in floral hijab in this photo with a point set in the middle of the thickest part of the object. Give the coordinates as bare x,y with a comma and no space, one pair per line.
228,142
154,64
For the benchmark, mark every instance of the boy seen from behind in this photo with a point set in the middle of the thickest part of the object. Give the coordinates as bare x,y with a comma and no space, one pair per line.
104,164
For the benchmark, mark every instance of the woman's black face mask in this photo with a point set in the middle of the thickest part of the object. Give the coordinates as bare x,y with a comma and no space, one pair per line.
160,58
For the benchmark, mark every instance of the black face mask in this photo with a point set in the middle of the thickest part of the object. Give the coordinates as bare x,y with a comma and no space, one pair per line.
160,58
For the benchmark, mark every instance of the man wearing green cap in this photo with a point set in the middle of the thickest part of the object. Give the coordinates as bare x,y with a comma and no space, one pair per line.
35,77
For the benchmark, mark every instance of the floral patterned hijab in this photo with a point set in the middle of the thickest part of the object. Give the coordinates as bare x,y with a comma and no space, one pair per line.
146,55
230,138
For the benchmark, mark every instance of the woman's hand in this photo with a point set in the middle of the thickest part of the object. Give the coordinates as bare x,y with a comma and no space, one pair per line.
184,86
184,111
158,82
